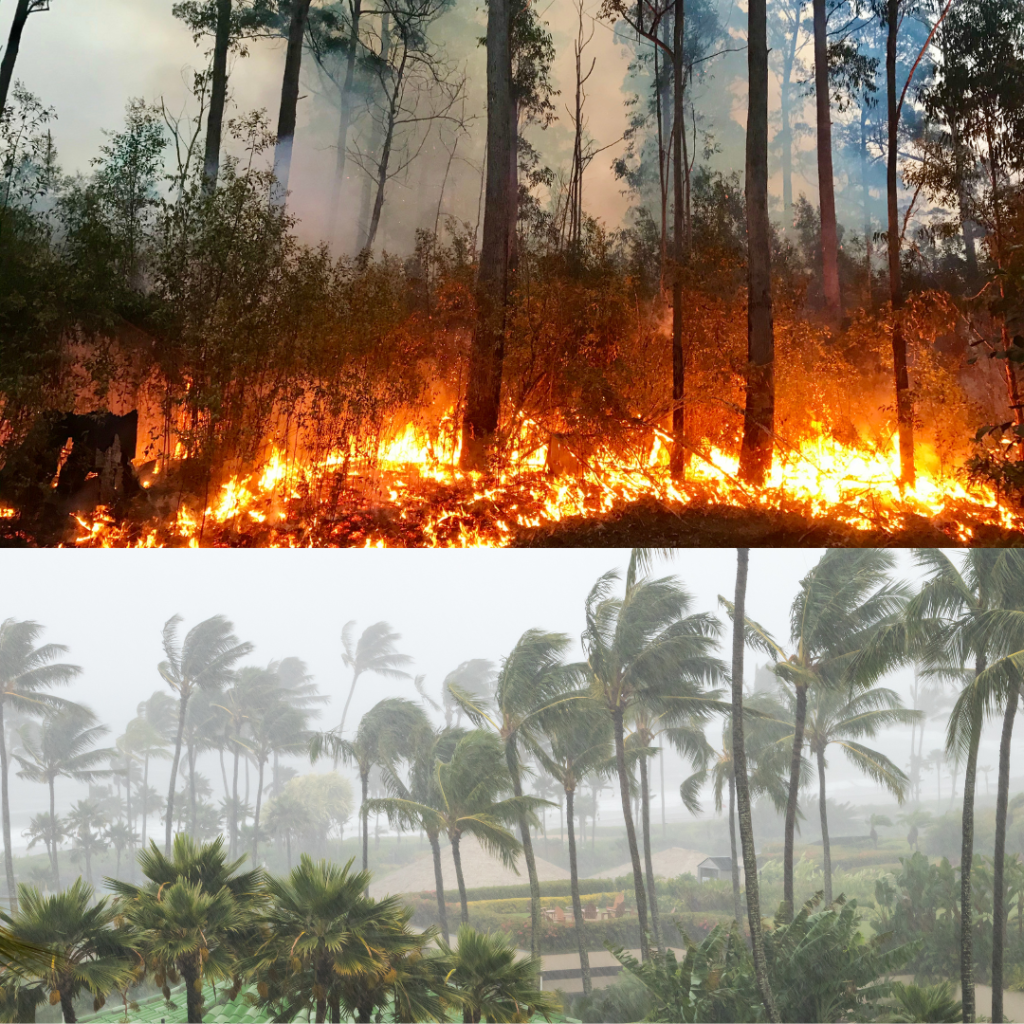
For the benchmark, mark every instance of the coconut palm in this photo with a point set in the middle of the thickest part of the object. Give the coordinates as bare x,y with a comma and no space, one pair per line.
474,677
875,822
374,652
140,741
27,672
63,746
88,952
51,831
121,836
580,746
85,822
202,661
495,983
152,741
644,650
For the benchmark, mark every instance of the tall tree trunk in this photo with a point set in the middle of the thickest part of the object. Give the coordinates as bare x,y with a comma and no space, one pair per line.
289,102
645,824
904,404
53,844
786,104
233,838
21,13
256,815
736,908
574,888
823,815
191,753
344,122
826,186
364,814
67,1006
218,95
145,798
627,814
513,184
678,457
966,222
12,889
457,859
128,806
759,411
182,708
348,701
527,841
442,908
791,804
483,392
966,863
385,153
866,202
999,853
739,758
661,767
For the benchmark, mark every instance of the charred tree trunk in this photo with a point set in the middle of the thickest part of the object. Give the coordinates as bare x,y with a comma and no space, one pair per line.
904,403
218,96
344,120
574,885
289,102
759,413
826,186
21,13
791,803
678,458
483,394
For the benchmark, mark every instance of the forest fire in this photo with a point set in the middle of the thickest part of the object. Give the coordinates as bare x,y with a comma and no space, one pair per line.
413,494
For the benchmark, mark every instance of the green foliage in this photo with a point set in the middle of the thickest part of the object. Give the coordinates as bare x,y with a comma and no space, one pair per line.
926,1003
521,904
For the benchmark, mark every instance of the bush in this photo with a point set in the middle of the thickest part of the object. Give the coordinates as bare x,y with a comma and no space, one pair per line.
521,904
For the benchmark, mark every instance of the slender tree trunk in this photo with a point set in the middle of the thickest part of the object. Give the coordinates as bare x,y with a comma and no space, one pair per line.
678,457
574,887
364,814
12,889
234,802
823,814
53,825
739,757
192,787
442,908
21,13
736,907
457,858
999,853
256,816
904,403
218,95
967,997
826,187
344,121
791,803
627,814
759,412
223,773
786,103
128,806
645,824
483,394
88,857
866,201
348,701
527,840
182,708
289,102
385,153
661,767
966,222
145,798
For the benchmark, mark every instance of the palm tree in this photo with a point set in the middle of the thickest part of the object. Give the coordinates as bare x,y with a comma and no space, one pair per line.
63,746
915,821
374,652
121,837
493,981
844,718
85,822
26,673
202,661
88,953
475,677
51,831
581,746
643,649
875,822
194,915
152,741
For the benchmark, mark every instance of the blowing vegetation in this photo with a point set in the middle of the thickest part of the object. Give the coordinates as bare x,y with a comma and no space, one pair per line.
256,898
387,311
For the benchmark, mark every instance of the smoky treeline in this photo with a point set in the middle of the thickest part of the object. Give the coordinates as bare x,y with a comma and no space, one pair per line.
445,264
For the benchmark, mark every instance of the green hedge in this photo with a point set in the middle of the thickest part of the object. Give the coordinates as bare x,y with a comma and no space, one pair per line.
521,904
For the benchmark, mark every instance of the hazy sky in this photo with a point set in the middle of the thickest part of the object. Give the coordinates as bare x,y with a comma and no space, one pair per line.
449,606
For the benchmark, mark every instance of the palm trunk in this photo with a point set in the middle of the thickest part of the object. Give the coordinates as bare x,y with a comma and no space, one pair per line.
442,908
527,841
904,405
145,797
192,787
661,768
826,849
218,95
88,857
323,978
645,824
736,909
999,853
826,187
53,841
364,814
791,803
487,355
627,814
12,891
348,701
183,707
759,411
21,13
966,862
739,756
289,102
191,975
344,122
67,1006
678,458
128,803
577,907
457,858
256,815
233,839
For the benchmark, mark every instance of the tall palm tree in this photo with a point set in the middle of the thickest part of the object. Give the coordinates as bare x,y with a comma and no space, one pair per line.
643,649
26,673
158,715
62,746
532,682
202,661
374,652
88,952
140,741
121,836
85,822
581,746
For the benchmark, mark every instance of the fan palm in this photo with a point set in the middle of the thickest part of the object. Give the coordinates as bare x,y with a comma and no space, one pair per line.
26,673
644,650
85,822
63,746
375,652
202,661
89,953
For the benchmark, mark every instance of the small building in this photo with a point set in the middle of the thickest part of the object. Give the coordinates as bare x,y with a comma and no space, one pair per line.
716,868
